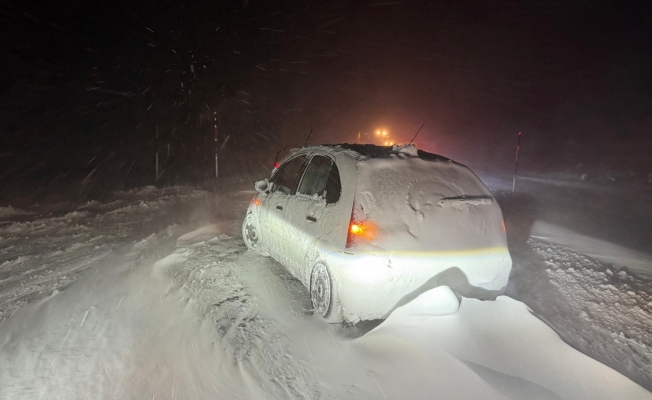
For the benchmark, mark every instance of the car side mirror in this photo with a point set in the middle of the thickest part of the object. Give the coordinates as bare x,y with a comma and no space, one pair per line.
263,186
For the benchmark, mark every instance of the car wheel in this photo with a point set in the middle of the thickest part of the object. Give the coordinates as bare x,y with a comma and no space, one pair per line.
251,233
323,294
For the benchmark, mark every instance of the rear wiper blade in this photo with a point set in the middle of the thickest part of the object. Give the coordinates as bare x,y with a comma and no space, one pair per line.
464,200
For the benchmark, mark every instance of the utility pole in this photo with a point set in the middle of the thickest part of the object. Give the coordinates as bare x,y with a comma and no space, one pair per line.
215,127
518,147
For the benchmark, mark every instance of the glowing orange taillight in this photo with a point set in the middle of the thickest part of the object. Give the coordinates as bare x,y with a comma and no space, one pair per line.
360,231
257,202
356,229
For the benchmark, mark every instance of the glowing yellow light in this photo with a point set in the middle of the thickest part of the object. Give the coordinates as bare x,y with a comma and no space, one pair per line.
356,229
391,143
377,132
384,133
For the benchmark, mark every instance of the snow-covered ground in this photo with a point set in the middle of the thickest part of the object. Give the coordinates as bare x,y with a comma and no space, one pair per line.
188,313
600,249
610,223
602,310
581,256
47,246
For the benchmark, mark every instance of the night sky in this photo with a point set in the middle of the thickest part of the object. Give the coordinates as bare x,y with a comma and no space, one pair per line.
85,86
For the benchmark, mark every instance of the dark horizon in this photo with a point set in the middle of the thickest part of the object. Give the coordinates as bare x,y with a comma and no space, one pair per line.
85,86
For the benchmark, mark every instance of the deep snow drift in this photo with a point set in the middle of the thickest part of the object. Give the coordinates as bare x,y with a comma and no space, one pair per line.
600,309
47,246
214,321
600,306
196,316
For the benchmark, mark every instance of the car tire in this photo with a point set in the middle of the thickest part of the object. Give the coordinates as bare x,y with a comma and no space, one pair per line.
323,294
251,233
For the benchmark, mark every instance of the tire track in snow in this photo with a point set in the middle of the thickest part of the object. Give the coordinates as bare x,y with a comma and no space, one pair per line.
211,273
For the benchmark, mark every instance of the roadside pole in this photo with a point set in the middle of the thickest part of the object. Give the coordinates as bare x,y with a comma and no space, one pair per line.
215,127
157,153
518,148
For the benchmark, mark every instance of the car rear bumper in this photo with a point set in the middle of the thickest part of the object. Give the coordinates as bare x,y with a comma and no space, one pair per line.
372,284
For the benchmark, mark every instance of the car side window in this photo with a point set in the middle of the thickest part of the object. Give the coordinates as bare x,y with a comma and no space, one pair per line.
333,186
321,179
287,176
315,178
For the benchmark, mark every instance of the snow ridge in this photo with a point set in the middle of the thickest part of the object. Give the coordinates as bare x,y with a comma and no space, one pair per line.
602,310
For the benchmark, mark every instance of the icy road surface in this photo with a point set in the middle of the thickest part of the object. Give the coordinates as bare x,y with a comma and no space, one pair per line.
196,316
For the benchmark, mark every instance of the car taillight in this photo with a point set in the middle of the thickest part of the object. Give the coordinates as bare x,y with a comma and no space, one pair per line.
355,232
360,229
356,229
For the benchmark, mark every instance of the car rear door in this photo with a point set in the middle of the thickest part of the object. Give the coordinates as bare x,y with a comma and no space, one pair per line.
315,209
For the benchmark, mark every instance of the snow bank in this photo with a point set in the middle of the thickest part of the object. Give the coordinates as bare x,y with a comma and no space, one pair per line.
593,247
48,252
602,310
486,350
9,212
116,333
438,301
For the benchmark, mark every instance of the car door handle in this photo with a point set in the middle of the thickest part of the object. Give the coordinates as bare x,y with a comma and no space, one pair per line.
310,218
279,207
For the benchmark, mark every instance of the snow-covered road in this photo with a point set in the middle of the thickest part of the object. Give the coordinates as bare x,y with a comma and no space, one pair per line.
610,223
196,316
47,246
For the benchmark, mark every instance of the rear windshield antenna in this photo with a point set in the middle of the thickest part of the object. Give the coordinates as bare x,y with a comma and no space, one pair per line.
308,138
415,135
279,153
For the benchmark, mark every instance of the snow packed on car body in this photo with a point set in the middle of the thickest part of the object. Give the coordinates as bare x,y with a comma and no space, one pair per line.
368,228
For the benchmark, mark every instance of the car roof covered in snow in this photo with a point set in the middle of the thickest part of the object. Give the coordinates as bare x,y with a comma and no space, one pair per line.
367,151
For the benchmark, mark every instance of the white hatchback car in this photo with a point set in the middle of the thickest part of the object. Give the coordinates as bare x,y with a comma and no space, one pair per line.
368,228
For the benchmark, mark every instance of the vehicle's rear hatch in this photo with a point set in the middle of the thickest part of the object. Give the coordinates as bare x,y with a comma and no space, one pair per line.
410,202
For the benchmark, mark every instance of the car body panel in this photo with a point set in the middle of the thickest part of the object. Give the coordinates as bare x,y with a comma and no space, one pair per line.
372,284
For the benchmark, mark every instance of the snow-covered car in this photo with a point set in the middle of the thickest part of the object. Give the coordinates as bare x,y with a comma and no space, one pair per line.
368,228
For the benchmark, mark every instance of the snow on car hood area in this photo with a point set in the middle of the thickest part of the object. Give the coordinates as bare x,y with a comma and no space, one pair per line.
180,309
